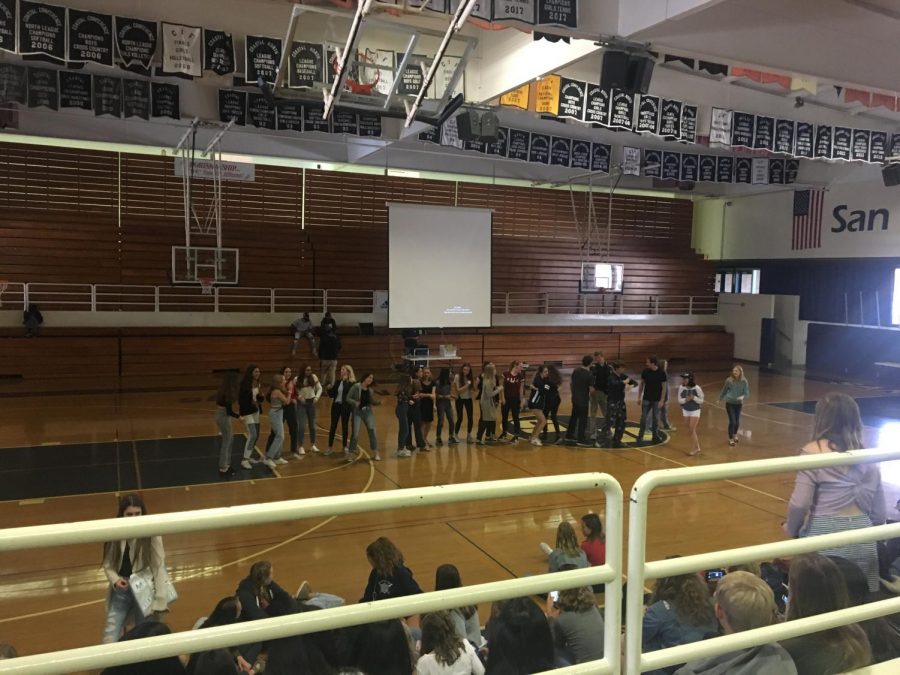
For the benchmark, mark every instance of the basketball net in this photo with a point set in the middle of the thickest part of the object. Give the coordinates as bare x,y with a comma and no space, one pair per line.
206,285
4,284
363,75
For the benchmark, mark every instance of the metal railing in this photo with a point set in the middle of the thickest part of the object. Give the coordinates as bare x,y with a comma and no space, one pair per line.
137,298
639,570
113,529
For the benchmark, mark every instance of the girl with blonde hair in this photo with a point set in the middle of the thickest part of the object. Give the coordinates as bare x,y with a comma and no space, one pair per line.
278,399
490,399
568,551
734,392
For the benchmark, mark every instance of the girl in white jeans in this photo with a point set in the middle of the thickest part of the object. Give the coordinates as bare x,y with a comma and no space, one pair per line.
122,559
277,400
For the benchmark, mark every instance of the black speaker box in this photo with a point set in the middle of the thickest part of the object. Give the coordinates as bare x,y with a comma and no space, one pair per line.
890,174
469,125
640,70
490,127
626,71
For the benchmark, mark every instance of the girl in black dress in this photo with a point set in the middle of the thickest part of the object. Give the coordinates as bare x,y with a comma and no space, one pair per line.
426,404
536,402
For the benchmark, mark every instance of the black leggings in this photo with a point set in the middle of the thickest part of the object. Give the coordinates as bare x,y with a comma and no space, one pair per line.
550,410
464,404
734,418
489,427
339,412
512,406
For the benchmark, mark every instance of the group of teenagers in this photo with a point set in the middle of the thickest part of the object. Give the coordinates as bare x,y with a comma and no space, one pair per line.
598,392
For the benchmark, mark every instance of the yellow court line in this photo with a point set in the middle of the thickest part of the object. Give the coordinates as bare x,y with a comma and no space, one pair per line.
216,568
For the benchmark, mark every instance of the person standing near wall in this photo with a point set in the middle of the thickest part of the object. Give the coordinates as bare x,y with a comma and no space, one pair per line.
601,371
310,391
225,400
615,413
582,383
249,404
513,391
734,392
650,394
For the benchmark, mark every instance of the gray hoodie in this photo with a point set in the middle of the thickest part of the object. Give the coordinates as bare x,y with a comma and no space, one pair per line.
771,659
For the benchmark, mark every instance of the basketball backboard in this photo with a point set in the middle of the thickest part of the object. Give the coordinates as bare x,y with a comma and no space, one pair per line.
190,264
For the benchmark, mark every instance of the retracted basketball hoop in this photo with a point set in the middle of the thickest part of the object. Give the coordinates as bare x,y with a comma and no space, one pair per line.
4,284
363,75
206,285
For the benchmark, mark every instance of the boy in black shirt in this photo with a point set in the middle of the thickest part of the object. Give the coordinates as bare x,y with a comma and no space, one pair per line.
653,379
615,394
601,372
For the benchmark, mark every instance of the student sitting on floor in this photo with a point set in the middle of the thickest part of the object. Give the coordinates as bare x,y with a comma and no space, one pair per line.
567,551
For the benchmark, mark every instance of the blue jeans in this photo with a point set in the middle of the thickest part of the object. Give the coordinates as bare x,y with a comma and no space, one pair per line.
734,418
445,411
223,421
649,409
402,412
121,607
276,421
366,416
252,437
306,414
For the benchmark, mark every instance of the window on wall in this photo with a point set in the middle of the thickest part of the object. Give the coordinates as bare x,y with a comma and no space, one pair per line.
737,281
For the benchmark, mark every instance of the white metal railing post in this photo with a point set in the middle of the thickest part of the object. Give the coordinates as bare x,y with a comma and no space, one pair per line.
639,570
546,303
156,298
656,304
325,300
25,296
93,298
271,301
215,298
584,309
506,302
690,305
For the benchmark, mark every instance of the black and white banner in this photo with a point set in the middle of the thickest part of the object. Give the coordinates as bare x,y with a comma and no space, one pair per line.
263,55
260,112
42,30
784,137
706,171
805,139
597,105
720,127
313,119
306,64
90,37
631,161
539,148
165,100
75,90
647,115
289,117
218,52
233,106
136,42
43,88
842,143
107,96
413,74
653,160
182,52
514,10
600,157
742,129
560,151
344,121
670,119
688,123
822,147
581,155
621,110
562,13
8,25
690,167
519,141
571,99
764,133
136,99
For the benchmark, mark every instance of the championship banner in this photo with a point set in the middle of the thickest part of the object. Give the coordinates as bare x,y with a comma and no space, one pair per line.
596,110
136,99
444,74
260,113
760,171
218,52
742,129
581,155
413,74
804,140
313,119
90,37
165,100
517,98
784,137
474,145
344,121
671,166
43,89
860,142
107,96
571,99
689,123
547,99
563,13
720,127
289,117
263,55
8,25
621,110
600,157
539,149
743,170
706,171
500,147
822,149
878,146
450,134
841,143
514,10
75,90
431,135
182,51
369,124
653,163
764,133
724,169
776,172
482,9
136,42
647,115
631,161
42,30
690,167
306,64
791,169
560,151
233,106
670,119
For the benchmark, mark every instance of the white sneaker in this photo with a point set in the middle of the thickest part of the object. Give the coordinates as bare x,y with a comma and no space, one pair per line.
301,451
281,460
269,463
404,453
314,448
245,464
545,548
536,442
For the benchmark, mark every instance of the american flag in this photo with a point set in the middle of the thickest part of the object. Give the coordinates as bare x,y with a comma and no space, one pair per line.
807,231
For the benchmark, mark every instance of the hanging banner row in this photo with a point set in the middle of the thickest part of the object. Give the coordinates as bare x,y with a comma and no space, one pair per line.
562,13
731,128
66,89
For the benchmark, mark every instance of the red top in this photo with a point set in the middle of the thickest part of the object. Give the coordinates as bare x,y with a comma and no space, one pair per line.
512,385
595,551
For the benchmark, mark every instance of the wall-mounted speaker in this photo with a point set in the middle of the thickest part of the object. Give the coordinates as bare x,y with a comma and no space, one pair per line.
890,174
622,70
475,126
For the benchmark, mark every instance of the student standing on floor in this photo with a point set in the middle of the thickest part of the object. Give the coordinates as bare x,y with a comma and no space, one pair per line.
664,404
551,403
249,402
122,562
582,383
537,401
340,409
601,371
278,398
362,399
443,393
426,404
690,397
405,401
650,394
615,395
734,392
225,399
288,413
490,398
415,413
310,391
329,353
462,381
513,393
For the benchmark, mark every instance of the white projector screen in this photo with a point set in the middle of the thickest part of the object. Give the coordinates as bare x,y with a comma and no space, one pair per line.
439,260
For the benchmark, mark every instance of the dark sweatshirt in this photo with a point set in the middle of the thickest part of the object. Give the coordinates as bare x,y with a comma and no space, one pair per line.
399,584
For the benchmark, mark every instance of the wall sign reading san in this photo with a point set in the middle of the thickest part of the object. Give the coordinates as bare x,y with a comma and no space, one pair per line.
859,220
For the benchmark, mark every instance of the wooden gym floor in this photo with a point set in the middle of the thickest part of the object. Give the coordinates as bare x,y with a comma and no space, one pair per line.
53,598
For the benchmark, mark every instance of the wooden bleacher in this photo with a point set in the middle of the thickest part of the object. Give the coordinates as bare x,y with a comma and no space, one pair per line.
109,360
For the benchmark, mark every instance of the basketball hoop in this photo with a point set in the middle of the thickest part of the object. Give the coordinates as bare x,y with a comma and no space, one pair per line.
363,75
4,284
206,285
